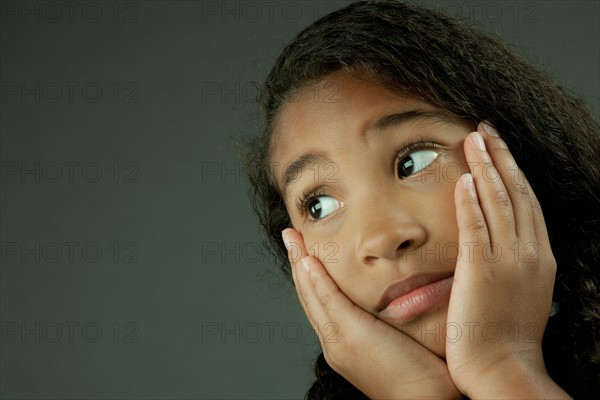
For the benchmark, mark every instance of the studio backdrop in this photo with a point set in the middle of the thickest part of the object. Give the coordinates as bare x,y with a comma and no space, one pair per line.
132,266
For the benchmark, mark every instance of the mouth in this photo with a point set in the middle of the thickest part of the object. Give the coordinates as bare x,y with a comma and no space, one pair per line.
406,299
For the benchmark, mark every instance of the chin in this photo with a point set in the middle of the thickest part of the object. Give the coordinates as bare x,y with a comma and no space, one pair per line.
429,330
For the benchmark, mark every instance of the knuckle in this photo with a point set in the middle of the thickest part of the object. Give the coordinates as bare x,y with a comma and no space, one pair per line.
468,202
476,223
325,299
535,203
531,253
302,292
501,198
550,263
521,185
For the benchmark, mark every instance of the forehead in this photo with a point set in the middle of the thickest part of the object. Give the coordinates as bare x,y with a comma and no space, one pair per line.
328,115
330,100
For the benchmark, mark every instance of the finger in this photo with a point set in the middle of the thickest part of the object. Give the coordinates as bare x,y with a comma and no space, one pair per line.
541,252
304,288
352,329
493,197
473,230
539,222
296,252
514,180
374,356
335,303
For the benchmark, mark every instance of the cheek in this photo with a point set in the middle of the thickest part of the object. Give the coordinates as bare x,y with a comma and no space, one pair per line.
328,250
443,231
339,260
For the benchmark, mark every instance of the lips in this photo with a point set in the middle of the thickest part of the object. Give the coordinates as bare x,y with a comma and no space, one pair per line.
412,296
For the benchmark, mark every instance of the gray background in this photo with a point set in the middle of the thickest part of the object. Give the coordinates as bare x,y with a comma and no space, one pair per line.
131,267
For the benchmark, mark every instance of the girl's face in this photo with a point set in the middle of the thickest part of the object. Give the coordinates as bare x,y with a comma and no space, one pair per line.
368,179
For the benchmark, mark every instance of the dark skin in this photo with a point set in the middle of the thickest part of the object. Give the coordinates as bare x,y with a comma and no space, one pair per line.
374,227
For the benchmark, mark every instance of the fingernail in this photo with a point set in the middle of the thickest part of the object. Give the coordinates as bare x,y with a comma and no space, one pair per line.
286,239
306,263
490,129
478,141
467,182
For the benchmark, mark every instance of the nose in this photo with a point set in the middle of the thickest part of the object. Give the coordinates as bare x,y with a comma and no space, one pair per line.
388,232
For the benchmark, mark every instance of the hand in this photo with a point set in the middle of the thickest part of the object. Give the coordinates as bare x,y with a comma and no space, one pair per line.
378,359
502,291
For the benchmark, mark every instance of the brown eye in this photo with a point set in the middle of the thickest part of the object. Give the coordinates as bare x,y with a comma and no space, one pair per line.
321,206
415,162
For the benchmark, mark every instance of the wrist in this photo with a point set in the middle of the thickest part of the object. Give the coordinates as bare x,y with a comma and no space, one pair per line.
442,389
519,376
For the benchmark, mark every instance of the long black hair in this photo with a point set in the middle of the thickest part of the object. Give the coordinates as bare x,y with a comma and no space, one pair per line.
552,133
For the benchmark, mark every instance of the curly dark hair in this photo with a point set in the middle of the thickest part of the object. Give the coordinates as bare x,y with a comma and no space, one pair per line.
552,133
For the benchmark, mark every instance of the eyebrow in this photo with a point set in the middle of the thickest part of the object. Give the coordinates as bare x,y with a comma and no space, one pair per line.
297,167
395,119
391,120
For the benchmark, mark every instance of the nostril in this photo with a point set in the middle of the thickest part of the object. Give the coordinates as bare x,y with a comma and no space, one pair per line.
404,245
370,259
384,248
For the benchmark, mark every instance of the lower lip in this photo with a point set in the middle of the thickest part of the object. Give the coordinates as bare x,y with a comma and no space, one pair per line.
424,299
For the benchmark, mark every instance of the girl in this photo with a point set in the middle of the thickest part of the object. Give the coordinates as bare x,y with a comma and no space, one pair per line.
400,178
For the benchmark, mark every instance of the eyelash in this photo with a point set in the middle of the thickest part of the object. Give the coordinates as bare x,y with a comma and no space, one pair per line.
306,197
410,146
406,148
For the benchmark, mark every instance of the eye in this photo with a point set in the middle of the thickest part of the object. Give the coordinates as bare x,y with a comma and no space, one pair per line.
415,162
321,206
